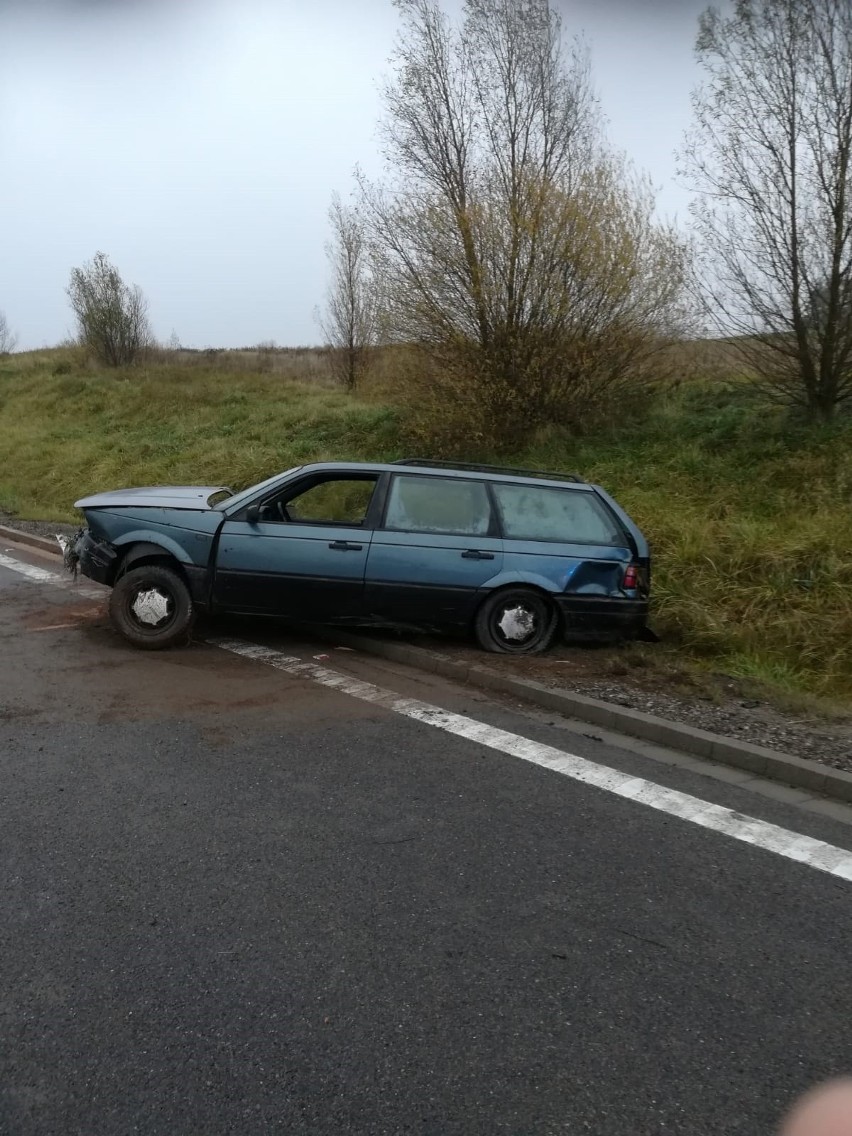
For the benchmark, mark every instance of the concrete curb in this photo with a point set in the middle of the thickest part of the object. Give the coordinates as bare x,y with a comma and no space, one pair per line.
40,542
810,776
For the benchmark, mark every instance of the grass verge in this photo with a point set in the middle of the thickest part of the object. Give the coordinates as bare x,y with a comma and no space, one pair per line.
750,520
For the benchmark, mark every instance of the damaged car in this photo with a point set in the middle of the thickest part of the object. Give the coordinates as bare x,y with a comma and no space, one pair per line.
517,557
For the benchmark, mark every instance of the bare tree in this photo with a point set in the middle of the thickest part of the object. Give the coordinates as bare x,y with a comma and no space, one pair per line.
771,153
510,246
348,322
112,317
8,341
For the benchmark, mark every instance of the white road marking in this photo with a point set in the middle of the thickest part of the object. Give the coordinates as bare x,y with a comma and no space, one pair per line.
770,837
45,576
41,575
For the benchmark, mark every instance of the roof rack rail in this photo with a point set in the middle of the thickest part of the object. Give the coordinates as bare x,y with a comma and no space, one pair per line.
476,468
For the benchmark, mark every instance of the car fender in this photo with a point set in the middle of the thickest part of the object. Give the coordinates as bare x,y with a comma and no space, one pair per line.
198,577
150,544
529,579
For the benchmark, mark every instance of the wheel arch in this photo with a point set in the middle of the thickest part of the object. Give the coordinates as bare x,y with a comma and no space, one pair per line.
535,580
137,553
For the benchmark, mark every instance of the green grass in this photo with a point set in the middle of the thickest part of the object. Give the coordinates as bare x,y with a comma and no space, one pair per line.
65,435
750,520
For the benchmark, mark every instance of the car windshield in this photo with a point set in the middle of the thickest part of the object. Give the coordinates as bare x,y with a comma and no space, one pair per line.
244,494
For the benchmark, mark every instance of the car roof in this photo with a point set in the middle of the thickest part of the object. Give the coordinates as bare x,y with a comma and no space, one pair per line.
448,469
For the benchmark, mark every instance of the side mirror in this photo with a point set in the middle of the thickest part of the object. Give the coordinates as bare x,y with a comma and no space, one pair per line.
253,514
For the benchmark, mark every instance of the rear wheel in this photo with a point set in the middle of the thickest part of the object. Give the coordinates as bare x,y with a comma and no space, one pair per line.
151,607
517,621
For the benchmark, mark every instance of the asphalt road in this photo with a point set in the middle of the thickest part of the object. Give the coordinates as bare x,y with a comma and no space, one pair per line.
238,901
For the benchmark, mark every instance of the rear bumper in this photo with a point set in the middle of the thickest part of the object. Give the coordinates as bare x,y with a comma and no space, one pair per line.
602,617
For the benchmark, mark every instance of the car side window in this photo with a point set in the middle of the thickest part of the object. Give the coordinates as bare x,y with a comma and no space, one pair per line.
332,501
532,512
438,505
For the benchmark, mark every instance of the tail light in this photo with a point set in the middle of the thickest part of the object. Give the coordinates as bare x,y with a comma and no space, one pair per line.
631,577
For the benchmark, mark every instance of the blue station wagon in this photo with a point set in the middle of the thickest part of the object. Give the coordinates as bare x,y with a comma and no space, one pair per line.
518,557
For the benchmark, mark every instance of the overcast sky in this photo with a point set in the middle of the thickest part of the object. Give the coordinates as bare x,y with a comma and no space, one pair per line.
198,142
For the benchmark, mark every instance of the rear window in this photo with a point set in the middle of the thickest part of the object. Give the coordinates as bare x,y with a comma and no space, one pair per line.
438,505
558,515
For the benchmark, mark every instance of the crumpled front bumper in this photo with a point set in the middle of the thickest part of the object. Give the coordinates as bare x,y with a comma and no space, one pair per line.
94,558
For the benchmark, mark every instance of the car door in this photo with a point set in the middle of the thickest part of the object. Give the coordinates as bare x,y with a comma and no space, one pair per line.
302,552
434,552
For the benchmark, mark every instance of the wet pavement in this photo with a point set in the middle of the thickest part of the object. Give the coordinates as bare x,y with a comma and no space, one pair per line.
237,901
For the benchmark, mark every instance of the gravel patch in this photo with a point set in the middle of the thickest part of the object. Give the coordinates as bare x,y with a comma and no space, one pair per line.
759,724
726,709
47,529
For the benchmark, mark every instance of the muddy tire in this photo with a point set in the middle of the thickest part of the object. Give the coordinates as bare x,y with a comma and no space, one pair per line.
152,608
516,621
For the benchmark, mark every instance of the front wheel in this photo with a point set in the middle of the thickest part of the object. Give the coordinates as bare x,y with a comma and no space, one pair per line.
517,621
151,607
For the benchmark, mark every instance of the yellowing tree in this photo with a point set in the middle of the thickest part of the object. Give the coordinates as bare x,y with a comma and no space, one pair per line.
521,258
112,317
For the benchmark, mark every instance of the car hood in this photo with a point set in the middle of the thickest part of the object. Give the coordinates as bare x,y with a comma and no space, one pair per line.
154,496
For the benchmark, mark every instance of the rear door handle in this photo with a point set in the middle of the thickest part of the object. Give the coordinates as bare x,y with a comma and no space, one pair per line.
345,546
475,554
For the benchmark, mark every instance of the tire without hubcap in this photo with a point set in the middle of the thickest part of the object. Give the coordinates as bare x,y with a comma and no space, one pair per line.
151,607
517,621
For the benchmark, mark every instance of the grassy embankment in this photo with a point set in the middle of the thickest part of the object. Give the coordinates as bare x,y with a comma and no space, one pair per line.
750,522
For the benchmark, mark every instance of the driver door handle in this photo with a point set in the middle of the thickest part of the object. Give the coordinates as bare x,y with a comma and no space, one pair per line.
476,554
345,546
